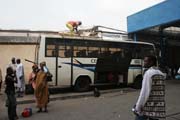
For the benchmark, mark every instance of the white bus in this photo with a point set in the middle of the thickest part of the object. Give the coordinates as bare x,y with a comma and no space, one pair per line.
72,61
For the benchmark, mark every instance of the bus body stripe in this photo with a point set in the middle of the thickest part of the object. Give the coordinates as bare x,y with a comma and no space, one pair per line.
83,66
91,67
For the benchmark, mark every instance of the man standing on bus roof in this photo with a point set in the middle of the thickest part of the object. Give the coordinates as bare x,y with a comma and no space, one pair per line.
153,82
73,26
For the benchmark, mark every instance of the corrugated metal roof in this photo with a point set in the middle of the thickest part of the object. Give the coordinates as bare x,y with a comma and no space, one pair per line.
165,14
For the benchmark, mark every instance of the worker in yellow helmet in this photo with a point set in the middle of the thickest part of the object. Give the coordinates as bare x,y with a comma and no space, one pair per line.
73,26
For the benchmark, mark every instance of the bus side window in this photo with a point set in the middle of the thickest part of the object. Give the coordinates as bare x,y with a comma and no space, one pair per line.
49,53
67,53
81,53
53,53
61,53
50,50
106,53
93,53
118,53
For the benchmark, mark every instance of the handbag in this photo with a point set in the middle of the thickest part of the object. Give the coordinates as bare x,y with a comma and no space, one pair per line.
29,89
49,77
27,112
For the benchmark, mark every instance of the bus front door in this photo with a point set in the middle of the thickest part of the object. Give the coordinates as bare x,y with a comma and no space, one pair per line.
64,71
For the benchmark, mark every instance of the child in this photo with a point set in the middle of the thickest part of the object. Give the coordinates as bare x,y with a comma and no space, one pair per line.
32,75
10,92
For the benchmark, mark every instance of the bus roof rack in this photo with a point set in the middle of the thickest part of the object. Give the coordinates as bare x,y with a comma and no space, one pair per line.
98,32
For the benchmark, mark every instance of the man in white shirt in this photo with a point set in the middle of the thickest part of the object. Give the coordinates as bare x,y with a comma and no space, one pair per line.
20,78
147,91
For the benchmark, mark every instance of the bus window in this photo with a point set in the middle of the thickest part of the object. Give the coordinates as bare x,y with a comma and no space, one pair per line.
67,53
104,52
117,53
61,53
51,47
93,51
64,50
50,51
103,49
141,51
61,50
112,50
147,51
80,51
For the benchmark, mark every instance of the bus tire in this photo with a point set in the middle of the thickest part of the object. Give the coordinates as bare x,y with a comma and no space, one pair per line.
82,84
138,82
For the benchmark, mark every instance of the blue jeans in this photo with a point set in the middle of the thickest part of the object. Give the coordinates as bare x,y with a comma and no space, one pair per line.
144,118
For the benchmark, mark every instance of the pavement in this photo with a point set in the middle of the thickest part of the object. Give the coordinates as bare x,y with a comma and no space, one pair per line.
29,100
172,98
66,94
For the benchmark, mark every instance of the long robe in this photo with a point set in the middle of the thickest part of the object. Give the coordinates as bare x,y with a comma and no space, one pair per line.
20,73
41,91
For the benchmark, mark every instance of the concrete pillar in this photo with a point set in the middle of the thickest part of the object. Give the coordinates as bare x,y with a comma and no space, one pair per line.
163,48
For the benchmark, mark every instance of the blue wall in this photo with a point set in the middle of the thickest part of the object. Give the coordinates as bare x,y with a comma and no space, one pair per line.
163,13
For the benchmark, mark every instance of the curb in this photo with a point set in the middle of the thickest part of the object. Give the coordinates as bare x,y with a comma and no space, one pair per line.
56,98
80,95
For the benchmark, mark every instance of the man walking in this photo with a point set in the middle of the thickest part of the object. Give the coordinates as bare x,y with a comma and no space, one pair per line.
20,78
150,104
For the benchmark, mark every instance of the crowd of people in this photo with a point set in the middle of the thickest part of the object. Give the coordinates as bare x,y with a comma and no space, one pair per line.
14,82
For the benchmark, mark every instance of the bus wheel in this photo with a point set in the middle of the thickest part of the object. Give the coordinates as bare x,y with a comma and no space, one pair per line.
82,84
138,82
